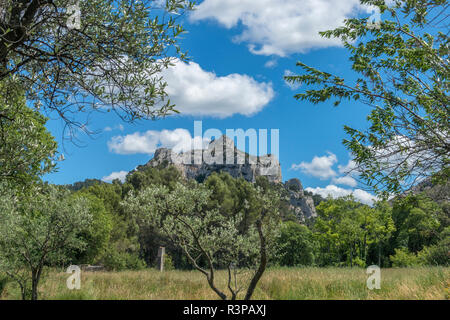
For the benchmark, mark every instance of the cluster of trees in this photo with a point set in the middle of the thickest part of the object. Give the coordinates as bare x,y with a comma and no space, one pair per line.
408,231
222,223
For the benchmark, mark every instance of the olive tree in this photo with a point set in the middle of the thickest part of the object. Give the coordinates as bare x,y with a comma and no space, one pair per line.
401,67
73,56
27,149
211,240
38,230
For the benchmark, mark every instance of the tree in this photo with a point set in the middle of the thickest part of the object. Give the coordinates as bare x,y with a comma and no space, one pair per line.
297,245
38,230
98,234
403,74
143,177
209,239
416,218
26,147
346,228
112,60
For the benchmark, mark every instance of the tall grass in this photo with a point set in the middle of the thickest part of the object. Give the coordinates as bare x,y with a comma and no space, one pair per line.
282,283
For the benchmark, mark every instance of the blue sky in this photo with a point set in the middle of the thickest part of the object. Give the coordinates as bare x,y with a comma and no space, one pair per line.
240,51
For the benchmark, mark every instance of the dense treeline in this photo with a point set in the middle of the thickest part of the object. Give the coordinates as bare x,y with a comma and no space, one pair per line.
410,230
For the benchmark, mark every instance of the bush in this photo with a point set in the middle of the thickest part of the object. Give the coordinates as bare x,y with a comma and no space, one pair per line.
404,258
359,262
168,263
437,255
296,245
117,261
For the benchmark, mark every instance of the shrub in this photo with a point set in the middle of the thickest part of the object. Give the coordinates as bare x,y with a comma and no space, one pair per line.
296,245
168,262
435,255
117,261
404,258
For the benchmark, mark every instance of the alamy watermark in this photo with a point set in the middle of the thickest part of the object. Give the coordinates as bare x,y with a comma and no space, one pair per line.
74,19
374,21
74,281
374,279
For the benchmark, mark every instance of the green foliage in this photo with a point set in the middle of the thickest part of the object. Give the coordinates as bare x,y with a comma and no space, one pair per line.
26,147
404,258
296,245
168,262
112,62
39,229
346,229
209,238
438,254
403,74
3,281
234,197
84,184
117,260
416,221
147,176
98,235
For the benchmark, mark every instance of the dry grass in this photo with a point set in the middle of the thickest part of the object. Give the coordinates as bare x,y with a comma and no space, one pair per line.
284,284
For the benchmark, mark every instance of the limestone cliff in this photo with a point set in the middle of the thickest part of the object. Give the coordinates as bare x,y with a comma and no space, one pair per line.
301,204
220,156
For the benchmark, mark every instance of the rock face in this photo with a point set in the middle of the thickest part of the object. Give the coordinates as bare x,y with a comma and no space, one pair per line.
439,193
301,204
220,156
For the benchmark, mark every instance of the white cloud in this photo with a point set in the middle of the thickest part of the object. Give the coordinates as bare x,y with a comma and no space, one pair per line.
337,192
319,167
121,175
349,168
280,27
345,180
271,63
198,92
147,142
118,127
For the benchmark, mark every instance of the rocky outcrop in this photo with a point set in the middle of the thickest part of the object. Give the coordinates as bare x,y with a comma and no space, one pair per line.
220,156
301,204
438,192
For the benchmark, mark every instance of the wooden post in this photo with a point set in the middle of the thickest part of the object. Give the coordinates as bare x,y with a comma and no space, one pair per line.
161,253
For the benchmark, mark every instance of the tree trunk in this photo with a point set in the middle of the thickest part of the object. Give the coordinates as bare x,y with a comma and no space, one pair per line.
217,291
379,254
351,256
365,248
23,292
262,263
35,277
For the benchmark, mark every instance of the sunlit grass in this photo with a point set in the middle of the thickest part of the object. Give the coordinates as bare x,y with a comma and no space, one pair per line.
283,283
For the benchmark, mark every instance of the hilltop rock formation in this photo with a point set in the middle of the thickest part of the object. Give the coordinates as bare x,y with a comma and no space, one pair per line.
220,156
300,204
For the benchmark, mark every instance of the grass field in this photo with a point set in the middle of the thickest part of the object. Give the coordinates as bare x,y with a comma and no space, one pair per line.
284,284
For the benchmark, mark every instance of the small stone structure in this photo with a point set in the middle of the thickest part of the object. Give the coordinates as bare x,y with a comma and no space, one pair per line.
160,262
89,268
